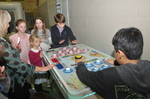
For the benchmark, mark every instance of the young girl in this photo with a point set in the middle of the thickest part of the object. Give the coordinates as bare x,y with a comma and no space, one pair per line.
20,40
35,57
43,33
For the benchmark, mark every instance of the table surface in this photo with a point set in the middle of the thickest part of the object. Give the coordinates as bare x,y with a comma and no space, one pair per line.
65,69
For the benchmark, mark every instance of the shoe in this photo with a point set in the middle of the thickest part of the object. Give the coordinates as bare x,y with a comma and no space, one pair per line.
48,85
32,90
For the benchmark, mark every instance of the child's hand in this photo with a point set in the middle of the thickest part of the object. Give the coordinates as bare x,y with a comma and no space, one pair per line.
111,61
51,66
15,45
43,40
62,41
18,46
46,68
41,54
74,42
2,72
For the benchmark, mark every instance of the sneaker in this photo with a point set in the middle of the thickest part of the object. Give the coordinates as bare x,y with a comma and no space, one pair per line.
32,90
48,83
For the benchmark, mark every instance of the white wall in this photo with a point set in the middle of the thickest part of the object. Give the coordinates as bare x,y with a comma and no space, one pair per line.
94,22
42,11
47,11
51,11
65,10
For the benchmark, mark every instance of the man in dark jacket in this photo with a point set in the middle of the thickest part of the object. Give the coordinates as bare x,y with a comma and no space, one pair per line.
130,80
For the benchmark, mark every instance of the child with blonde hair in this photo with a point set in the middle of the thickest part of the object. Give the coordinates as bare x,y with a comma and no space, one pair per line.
35,57
45,36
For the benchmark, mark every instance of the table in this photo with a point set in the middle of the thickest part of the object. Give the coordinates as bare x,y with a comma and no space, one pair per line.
64,72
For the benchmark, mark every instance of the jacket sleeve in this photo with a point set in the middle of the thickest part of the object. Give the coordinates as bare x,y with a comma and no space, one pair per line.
12,59
53,35
72,37
94,80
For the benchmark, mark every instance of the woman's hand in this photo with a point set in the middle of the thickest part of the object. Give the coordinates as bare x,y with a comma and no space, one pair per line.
2,72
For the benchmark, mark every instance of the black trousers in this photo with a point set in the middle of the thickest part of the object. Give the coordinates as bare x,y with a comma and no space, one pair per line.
38,88
48,74
20,93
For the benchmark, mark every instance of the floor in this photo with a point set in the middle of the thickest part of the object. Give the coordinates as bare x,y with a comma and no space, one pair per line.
54,91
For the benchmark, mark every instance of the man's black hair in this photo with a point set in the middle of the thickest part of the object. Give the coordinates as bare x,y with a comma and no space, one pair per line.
129,41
